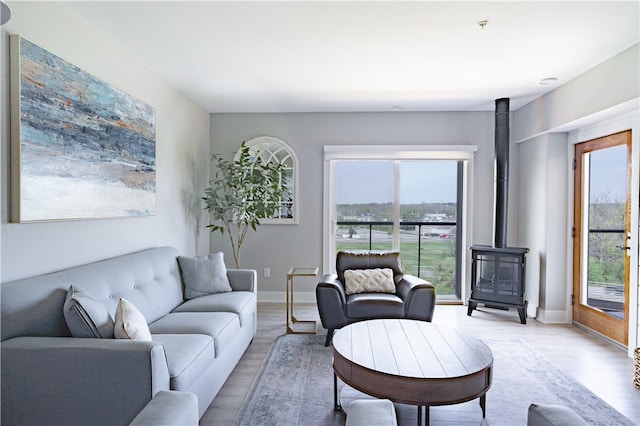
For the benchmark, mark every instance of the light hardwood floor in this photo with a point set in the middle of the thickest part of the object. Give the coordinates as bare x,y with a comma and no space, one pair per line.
601,366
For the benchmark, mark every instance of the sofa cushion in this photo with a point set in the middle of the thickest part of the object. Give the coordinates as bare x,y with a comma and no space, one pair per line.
130,323
377,280
86,316
242,303
188,355
203,275
222,326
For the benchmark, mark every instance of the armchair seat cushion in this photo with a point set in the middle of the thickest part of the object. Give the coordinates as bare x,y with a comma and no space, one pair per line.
374,305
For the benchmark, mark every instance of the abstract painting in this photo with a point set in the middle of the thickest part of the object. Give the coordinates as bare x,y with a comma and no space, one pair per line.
81,148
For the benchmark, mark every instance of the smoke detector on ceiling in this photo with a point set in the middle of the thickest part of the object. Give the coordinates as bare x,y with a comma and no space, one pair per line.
547,81
483,23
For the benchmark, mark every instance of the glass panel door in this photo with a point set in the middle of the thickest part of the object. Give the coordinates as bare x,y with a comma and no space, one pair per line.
428,214
364,205
601,246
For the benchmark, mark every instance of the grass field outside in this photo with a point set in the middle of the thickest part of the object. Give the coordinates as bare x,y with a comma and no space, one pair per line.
437,258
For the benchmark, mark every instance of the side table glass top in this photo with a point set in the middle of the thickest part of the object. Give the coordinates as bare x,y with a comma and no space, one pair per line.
303,271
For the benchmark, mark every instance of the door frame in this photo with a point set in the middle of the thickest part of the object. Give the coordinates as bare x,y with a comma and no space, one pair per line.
629,120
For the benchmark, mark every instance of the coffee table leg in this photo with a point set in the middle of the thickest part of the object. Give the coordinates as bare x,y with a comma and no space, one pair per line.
483,405
426,415
336,403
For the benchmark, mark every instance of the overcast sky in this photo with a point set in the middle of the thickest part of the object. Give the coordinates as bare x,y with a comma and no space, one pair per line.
608,173
434,181
360,182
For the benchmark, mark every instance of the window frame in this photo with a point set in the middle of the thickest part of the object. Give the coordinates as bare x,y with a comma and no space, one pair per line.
259,145
334,153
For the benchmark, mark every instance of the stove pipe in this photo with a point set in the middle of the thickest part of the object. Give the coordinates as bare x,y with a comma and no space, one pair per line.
501,172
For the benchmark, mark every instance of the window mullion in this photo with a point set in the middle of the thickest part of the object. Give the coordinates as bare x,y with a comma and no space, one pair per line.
396,205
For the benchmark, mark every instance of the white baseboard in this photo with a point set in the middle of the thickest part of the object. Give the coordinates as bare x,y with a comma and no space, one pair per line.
552,317
281,297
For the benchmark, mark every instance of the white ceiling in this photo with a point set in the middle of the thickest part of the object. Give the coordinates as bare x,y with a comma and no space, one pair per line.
302,56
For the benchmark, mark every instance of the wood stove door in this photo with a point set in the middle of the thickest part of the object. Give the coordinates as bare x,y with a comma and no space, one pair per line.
602,222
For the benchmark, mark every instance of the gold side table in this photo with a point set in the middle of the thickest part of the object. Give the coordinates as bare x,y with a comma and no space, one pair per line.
294,325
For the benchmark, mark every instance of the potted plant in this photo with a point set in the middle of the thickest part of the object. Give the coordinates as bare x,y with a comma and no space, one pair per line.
242,192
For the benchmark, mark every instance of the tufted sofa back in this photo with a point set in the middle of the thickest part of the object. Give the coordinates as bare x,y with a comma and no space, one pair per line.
369,260
149,279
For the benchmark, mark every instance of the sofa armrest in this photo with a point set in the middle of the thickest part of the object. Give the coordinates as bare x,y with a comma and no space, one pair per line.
331,299
419,297
169,408
73,381
243,279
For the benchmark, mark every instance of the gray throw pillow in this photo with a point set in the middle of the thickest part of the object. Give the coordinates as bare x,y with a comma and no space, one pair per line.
86,316
204,275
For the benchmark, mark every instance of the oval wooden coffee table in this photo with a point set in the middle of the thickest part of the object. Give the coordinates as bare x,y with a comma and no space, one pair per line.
412,362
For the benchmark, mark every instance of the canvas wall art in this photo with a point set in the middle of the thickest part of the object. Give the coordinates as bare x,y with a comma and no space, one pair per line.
81,148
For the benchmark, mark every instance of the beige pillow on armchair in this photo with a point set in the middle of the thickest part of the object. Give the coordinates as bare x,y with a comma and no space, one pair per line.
378,280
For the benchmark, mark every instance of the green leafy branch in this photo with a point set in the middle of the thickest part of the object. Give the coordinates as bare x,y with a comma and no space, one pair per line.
242,192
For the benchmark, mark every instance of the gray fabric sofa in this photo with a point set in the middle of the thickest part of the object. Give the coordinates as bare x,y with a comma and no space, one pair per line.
49,377
169,408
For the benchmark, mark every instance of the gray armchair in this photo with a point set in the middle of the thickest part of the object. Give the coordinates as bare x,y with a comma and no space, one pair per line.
414,298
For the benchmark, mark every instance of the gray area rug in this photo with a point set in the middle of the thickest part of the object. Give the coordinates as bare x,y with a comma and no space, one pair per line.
295,387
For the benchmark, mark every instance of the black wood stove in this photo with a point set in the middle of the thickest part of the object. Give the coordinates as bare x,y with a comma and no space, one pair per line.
498,278
498,271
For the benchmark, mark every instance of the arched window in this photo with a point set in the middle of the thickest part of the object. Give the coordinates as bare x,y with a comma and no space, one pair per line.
267,149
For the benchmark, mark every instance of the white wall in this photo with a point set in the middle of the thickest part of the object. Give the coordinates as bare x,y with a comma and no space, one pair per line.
182,148
601,101
280,247
543,206
608,89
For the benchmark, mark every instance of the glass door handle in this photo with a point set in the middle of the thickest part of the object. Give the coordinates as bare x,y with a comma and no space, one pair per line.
623,248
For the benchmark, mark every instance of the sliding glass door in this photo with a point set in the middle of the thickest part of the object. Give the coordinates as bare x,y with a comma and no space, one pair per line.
406,205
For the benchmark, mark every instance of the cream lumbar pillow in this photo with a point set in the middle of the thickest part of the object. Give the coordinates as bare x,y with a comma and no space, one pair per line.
378,280
130,323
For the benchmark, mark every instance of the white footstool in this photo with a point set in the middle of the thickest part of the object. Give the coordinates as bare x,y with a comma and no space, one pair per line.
553,415
370,412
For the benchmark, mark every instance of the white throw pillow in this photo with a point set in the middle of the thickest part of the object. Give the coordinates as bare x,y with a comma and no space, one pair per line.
378,280
204,275
130,323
